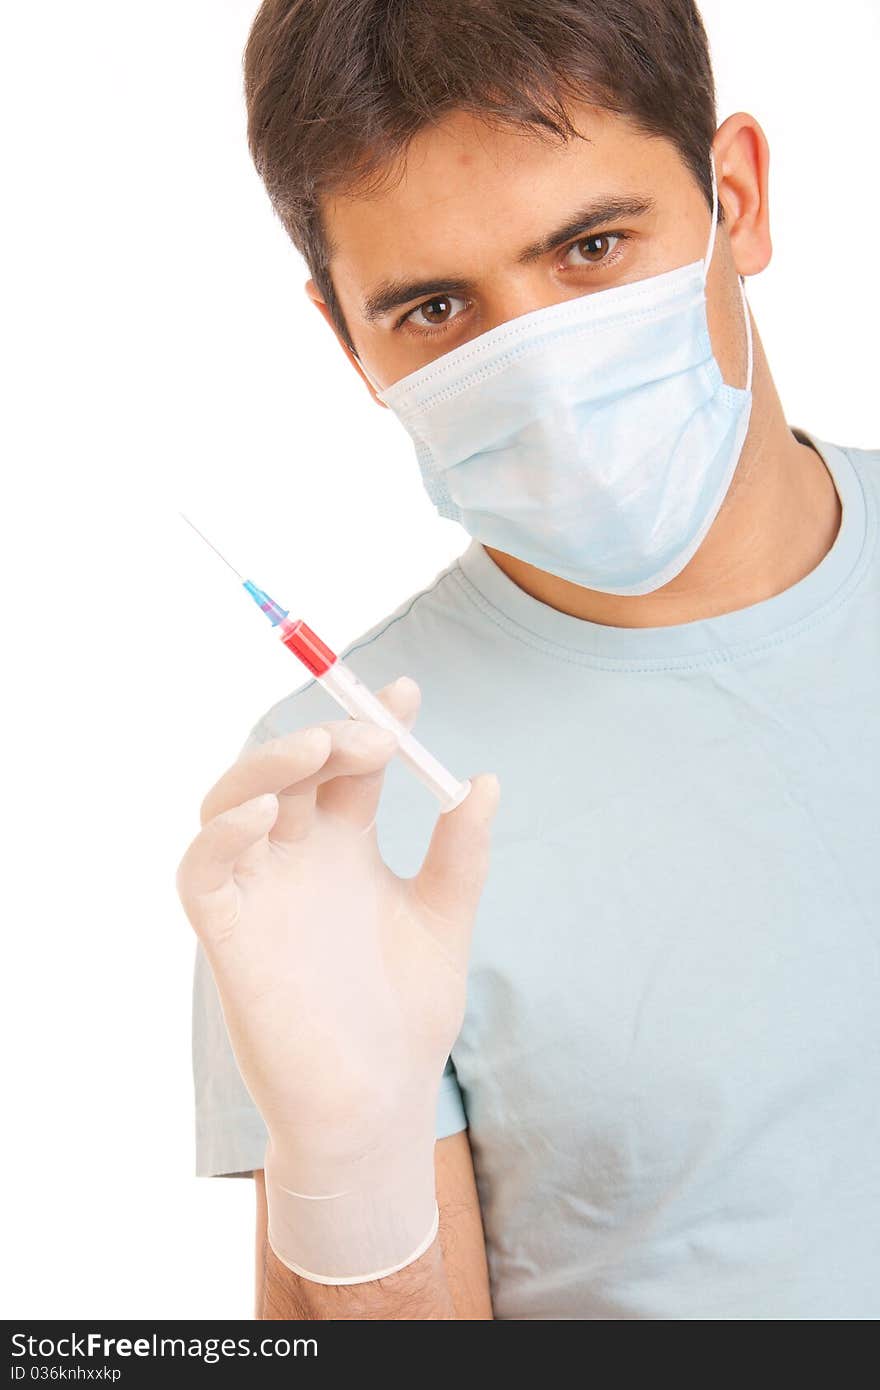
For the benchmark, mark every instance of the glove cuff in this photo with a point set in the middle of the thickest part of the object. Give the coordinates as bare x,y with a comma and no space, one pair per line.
360,1222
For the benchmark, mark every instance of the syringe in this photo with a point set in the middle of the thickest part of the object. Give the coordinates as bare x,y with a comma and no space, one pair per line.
343,685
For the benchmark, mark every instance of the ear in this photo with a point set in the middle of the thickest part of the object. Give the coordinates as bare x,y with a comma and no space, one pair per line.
742,161
314,295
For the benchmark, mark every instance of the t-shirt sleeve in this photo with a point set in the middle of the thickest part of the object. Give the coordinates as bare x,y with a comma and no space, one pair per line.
451,1116
230,1133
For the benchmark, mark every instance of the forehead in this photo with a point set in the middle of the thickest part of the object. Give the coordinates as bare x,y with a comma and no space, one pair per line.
466,188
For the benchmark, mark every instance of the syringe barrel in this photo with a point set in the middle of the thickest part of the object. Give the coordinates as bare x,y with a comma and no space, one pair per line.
305,644
361,703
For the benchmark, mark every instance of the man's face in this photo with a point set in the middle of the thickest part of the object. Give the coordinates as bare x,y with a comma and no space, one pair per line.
487,223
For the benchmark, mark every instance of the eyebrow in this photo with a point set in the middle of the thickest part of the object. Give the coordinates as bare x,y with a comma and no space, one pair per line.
391,294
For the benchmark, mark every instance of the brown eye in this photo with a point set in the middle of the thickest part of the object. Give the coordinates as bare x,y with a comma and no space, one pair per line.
592,250
435,313
436,310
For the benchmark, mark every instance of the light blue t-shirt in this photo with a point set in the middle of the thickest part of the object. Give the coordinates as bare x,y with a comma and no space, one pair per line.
670,1060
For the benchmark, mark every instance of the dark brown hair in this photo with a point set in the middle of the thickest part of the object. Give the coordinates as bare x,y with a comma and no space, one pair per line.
336,89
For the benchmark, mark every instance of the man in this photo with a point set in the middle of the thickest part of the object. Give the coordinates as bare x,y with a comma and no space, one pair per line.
661,1100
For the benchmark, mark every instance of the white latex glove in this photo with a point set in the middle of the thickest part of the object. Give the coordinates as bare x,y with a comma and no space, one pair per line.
342,985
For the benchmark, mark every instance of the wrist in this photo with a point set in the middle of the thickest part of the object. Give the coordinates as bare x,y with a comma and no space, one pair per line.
353,1221
419,1292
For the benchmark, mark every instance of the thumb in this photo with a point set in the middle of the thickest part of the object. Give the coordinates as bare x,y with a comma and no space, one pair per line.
454,869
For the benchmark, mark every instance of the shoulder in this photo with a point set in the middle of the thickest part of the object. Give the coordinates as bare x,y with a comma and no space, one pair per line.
856,454
845,460
865,464
870,458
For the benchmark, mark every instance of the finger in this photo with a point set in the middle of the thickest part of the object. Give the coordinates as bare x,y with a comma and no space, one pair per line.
291,766
206,873
453,873
275,766
357,749
355,799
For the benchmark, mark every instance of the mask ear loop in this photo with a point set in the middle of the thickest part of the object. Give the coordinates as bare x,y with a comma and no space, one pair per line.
748,318
707,259
742,279
369,375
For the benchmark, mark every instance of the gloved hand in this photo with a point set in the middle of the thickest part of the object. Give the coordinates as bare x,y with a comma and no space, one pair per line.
342,985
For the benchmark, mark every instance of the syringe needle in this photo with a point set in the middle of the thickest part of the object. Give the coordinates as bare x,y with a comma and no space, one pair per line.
344,687
213,547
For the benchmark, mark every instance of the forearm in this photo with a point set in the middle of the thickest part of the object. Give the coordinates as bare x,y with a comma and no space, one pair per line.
450,1281
418,1291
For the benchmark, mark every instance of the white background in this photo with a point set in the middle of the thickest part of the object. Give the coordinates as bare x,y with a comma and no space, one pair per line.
160,353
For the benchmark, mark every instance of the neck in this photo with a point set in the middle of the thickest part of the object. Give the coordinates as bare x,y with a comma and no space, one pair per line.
779,519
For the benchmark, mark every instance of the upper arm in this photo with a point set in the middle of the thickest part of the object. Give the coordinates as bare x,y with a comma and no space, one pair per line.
461,1230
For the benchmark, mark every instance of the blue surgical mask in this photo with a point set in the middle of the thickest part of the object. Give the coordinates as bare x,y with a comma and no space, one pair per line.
595,439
